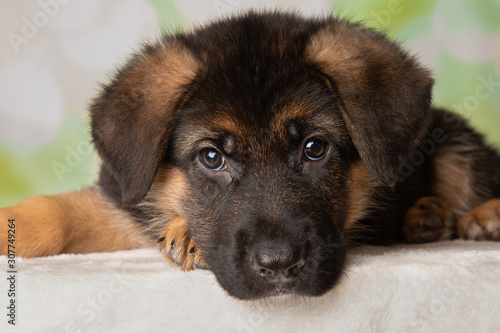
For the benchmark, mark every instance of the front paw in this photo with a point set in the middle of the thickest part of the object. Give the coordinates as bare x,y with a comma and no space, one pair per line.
482,222
428,220
177,246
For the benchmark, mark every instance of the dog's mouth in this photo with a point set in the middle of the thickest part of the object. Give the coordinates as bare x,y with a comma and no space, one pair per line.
277,269
281,290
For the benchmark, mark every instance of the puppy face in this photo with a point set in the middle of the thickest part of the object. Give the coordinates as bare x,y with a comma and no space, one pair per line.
274,131
266,181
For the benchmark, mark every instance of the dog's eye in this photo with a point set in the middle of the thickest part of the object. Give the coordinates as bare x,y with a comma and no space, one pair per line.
315,149
212,159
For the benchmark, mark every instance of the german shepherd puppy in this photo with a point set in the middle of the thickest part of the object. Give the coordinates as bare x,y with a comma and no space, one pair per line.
264,146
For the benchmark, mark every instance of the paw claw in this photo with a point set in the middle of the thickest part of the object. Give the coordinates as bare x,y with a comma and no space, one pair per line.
177,246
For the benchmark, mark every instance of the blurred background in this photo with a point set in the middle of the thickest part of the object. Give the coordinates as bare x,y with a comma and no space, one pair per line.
54,53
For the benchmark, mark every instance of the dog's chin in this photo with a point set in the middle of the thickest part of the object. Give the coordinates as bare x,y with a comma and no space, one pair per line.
260,290
292,291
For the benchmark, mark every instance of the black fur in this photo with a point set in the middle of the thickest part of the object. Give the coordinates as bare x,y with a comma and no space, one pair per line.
252,68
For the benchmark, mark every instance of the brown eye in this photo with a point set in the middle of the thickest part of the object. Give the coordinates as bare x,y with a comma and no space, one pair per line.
315,149
212,159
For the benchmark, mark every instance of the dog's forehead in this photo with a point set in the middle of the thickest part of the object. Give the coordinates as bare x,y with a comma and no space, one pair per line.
257,89
266,92
254,128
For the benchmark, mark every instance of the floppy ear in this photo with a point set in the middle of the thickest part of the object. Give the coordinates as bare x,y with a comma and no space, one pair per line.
132,118
384,94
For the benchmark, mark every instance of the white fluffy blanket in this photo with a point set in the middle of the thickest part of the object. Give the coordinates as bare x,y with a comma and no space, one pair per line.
440,287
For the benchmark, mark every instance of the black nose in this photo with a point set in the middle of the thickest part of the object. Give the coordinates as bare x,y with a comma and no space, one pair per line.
276,262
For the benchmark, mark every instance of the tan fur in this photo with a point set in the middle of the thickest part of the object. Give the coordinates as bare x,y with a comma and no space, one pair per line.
429,219
177,231
361,186
76,222
454,181
167,71
177,246
165,198
41,227
482,222
340,51
292,111
225,123
158,78
345,53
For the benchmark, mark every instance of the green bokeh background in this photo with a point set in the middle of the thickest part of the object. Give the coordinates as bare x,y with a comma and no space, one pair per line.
23,175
